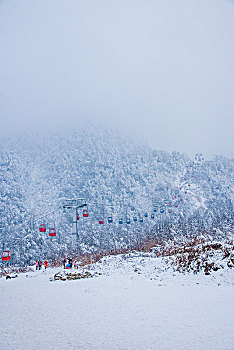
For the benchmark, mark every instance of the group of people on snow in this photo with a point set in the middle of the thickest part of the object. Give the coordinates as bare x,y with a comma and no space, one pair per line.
39,264
68,263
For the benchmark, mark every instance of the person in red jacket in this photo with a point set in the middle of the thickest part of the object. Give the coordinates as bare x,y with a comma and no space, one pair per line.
46,264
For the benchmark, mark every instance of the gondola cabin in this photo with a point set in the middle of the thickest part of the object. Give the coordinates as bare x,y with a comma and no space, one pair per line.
146,215
141,220
6,255
155,210
135,219
78,218
128,221
170,211
85,213
101,222
52,232
161,211
110,220
120,221
152,216
42,228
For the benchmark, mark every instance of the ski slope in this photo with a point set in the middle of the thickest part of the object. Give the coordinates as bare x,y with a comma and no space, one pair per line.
137,303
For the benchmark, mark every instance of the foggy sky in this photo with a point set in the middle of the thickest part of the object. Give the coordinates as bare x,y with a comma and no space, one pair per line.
162,70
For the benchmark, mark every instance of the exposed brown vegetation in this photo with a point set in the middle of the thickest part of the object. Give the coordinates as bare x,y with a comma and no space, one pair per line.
186,254
199,254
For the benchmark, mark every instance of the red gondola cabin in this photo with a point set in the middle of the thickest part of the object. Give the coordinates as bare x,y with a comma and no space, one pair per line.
52,232
85,213
101,222
42,228
6,255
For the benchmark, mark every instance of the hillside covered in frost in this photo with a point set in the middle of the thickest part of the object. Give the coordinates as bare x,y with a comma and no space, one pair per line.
170,193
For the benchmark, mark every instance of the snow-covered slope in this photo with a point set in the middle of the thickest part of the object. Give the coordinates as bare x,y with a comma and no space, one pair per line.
138,301
118,178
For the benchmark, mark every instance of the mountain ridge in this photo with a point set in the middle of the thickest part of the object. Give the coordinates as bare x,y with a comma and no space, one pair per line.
119,178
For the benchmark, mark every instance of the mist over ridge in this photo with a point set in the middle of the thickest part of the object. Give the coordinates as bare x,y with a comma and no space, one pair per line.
159,70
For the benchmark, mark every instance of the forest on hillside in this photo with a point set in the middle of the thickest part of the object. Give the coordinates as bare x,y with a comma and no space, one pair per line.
145,192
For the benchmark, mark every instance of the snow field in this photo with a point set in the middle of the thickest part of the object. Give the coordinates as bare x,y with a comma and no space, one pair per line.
138,303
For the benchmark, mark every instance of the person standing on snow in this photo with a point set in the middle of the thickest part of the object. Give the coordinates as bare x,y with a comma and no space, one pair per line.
39,264
70,262
36,265
64,262
46,264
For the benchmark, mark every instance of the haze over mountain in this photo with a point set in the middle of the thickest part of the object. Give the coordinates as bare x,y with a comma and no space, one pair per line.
159,70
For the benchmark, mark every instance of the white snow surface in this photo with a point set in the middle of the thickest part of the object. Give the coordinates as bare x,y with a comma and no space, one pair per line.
137,303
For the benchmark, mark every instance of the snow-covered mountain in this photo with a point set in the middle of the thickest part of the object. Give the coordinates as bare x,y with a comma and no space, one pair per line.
119,178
